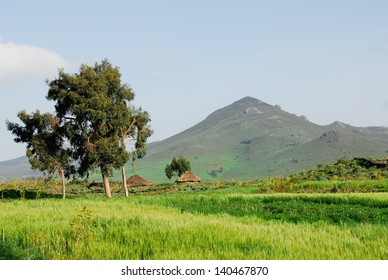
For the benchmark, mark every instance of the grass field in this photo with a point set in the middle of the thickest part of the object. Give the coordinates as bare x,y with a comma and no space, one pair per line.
217,223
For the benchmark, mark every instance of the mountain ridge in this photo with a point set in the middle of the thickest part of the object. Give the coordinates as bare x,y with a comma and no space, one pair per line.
249,137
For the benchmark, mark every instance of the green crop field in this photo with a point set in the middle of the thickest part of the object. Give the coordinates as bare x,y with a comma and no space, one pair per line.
221,222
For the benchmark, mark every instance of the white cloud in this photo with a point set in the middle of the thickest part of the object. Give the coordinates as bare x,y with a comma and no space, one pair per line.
19,61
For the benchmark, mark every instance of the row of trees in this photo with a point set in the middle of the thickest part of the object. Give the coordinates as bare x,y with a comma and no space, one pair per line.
93,122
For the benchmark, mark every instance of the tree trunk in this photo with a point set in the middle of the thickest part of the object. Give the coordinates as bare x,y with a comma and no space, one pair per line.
124,181
63,183
105,180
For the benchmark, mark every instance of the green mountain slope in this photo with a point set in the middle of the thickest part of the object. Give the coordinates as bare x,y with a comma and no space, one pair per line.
250,138
327,148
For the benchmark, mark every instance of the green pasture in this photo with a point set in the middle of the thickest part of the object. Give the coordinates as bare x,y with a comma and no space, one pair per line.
217,223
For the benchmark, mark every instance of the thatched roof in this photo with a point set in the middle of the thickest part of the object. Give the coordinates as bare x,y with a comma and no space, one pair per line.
137,181
188,177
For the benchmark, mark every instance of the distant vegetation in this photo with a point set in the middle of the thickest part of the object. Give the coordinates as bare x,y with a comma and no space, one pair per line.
358,175
352,175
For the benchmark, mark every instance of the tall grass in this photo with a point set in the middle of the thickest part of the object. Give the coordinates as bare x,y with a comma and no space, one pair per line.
153,227
289,208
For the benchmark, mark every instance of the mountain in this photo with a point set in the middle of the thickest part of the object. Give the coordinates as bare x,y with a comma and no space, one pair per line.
250,139
18,168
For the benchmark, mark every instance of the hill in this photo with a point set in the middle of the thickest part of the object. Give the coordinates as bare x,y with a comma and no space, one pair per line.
18,168
250,139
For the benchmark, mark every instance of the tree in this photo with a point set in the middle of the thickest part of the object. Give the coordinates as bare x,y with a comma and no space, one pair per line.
45,143
92,105
134,127
178,166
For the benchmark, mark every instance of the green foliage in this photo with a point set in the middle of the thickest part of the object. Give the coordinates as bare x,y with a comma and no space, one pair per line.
93,107
177,167
93,115
45,143
81,226
350,175
90,104
134,127
9,251
44,139
139,131
330,209
356,168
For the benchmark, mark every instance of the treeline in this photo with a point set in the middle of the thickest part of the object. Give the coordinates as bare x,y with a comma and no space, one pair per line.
355,169
93,124
346,175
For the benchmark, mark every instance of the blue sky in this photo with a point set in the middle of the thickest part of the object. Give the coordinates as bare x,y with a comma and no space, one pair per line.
327,60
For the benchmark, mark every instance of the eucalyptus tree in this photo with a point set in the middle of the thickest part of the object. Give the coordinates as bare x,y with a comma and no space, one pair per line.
93,106
134,128
45,143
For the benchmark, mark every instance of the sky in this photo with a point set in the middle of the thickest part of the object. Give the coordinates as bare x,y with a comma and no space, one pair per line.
326,60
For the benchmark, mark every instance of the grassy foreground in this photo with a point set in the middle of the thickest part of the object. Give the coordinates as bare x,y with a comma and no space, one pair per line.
234,223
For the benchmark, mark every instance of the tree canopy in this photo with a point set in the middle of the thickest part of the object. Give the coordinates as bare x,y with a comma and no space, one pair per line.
94,117
93,107
177,167
45,143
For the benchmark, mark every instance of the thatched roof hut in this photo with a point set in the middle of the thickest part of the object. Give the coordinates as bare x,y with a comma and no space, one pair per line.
188,177
138,181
